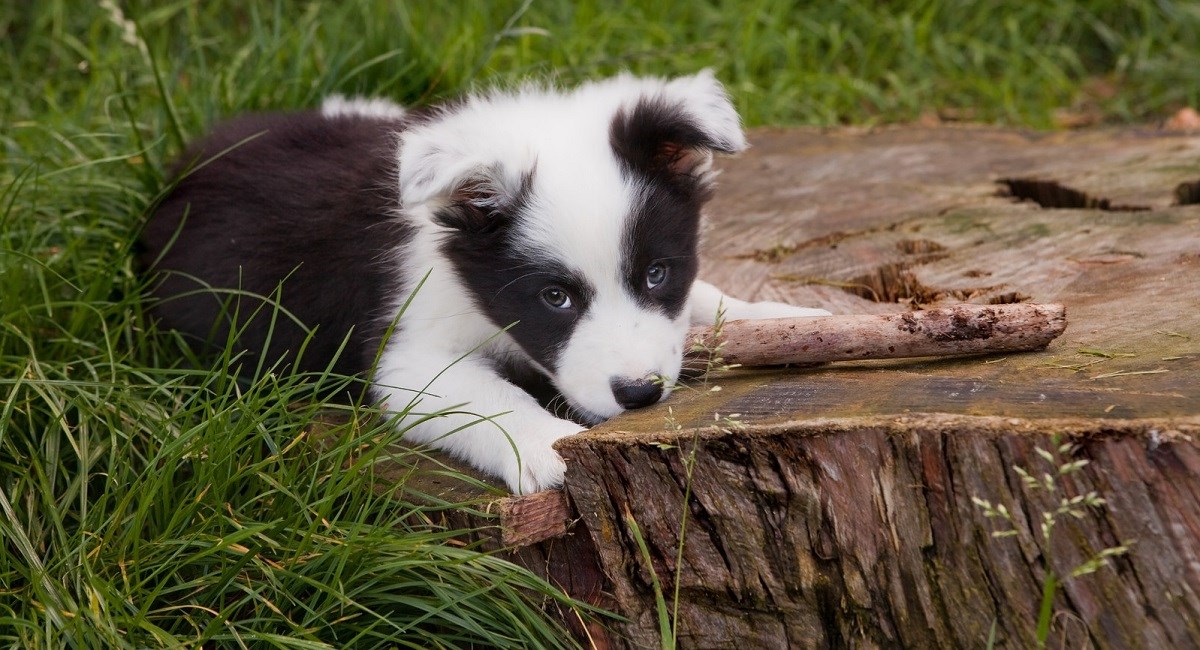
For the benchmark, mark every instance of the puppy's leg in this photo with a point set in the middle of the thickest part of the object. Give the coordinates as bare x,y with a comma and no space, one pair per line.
705,299
468,410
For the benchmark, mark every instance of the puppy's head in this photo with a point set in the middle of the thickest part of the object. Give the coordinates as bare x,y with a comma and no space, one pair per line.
576,216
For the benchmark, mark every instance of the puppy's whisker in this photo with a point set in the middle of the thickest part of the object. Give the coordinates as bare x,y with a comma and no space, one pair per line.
514,281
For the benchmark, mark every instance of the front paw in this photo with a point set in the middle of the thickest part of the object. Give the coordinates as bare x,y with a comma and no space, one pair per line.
536,466
757,310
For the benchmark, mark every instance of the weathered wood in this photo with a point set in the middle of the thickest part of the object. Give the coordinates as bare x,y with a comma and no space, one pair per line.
527,520
861,532
954,330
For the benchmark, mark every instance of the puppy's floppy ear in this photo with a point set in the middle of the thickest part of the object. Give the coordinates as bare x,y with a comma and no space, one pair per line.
444,162
481,202
705,99
673,133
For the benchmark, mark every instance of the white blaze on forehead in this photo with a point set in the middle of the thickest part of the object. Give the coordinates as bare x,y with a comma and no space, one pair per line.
577,214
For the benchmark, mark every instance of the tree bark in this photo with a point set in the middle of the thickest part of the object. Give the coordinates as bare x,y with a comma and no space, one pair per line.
863,533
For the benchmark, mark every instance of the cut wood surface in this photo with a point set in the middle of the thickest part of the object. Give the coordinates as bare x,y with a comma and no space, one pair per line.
948,331
837,512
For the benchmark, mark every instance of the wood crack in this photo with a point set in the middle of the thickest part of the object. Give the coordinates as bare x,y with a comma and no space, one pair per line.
1054,195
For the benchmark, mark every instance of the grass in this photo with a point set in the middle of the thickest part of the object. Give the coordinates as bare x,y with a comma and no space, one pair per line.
148,500
1051,483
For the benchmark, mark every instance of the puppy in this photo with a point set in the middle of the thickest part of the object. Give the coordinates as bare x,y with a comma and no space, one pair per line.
452,253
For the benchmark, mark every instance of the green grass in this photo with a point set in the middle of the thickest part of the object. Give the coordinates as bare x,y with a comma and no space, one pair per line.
147,500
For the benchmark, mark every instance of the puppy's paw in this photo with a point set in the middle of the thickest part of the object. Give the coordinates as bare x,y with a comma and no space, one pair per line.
757,310
539,466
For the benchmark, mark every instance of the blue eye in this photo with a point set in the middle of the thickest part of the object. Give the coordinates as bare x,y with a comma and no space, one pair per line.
557,298
656,274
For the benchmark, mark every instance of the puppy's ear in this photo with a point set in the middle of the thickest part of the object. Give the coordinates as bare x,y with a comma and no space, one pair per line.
673,133
481,202
705,99
447,161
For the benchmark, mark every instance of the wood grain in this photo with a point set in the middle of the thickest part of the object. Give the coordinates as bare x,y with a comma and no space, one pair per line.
527,520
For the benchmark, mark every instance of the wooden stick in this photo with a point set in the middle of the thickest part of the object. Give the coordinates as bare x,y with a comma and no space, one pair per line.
955,330
531,518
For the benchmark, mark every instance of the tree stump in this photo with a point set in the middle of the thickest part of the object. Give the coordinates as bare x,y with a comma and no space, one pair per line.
832,506
862,532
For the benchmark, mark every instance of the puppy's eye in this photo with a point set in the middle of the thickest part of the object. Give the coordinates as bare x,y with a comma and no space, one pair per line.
556,298
656,274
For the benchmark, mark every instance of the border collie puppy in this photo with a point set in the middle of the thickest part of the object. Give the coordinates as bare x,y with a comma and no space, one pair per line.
453,253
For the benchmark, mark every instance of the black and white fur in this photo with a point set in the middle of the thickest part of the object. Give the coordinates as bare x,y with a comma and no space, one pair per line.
572,217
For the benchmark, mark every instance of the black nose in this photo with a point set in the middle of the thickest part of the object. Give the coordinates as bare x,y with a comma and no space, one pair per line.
635,393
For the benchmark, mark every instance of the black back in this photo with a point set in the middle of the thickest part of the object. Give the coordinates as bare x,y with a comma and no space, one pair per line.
298,207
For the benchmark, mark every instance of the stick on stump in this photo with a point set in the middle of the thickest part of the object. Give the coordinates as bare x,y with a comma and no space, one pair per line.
955,330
